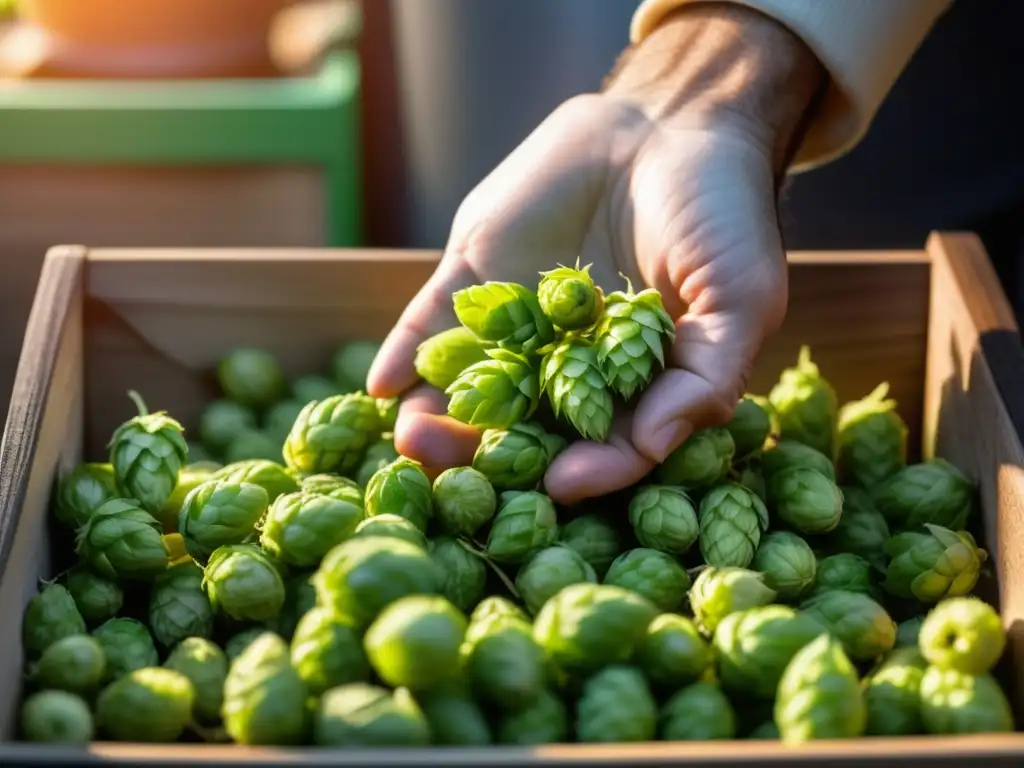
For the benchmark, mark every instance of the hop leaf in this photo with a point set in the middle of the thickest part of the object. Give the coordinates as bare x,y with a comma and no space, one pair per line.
572,379
508,314
495,393
630,339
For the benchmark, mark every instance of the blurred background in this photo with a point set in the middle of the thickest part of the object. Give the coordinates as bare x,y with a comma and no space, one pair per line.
338,123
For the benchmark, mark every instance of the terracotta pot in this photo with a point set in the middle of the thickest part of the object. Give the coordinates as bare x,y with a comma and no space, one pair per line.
156,38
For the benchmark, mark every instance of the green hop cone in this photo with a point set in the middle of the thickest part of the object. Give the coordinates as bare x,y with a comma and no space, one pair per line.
253,444
300,528
242,582
363,715
401,488
190,478
848,572
631,339
332,435
377,456
663,518
217,513
963,633
862,529
786,454
871,439
699,712
350,365
806,499
507,314
515,459
51,615
391,525
649,573
569,298
525,523
223,420
206,667
464,500
495,393
718,592
178,607
465,574
237,643
749,426
308,388
595,539
81,491
819,695
252,377
76,664
892,694
505,666
122,541
544,721
732,519
755,645
573,382
151,705
329,484
908,632
442,357
861,624
96,597
268,475
933,564
672,653
278,420
616,705
127,645
547,572
56,717
933,491
455,719
265,700
327,651
585,627
956,703
787,562
805,404
414,643
147,452
359,578
702,461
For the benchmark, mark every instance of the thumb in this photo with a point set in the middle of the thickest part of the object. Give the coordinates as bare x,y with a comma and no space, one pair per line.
711,359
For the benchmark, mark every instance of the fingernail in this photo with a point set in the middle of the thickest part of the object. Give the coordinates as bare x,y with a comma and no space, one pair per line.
668,437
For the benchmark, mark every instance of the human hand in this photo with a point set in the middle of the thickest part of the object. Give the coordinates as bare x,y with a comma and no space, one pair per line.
668,177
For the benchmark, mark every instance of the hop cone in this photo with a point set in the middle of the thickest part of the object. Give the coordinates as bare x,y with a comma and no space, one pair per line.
805,404
649,573
663,518
508,314
871,439
892,693
616,705
933,491
569,297
731,521
787,562
122,541
630,339
862,529
933,565
50,616
178,607
572,379
718,592
441,358
495,393
515,459
703,460
750,426
83,489
862,625
401,488
152,704
698,712
147,453
331,435
953,702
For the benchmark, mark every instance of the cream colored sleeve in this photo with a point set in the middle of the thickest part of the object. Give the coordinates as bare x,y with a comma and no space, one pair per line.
864,45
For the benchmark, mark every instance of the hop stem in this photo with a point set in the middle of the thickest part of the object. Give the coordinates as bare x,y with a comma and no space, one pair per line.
139,402
494,567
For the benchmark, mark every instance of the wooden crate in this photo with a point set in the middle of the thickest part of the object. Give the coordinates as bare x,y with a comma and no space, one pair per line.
934,323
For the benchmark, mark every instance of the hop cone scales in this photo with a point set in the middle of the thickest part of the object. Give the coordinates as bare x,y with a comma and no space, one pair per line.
495,393
630,339
572,379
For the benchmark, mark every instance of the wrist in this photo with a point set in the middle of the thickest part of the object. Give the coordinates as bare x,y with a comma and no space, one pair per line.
724,67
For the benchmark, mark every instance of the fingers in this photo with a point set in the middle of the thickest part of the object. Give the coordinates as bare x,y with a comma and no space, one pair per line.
393,370
587,470
425,434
